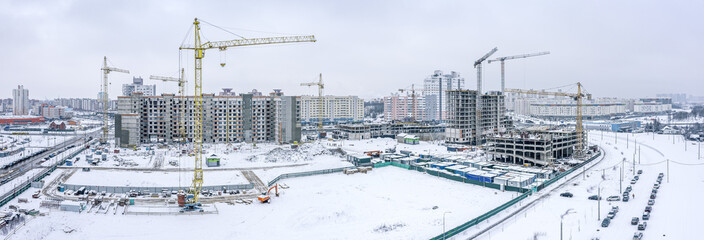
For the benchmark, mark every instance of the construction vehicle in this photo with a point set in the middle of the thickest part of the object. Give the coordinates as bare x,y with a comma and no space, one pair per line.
502,59
321,103
478,66
375,154
199,49
264,198
577,97
107,70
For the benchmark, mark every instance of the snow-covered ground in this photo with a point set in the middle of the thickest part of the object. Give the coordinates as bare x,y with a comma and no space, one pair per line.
381,144
386,203
9,186
675,214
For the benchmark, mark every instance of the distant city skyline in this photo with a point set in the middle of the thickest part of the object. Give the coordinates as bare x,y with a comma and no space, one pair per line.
365,48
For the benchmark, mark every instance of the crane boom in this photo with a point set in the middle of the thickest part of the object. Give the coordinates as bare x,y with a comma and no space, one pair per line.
502,59
252,42
576,96
487,55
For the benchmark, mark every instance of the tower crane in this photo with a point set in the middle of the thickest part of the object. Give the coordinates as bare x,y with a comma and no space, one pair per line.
577,97
478,66
502,59
182,95
321,103
107,70
413,101
199,49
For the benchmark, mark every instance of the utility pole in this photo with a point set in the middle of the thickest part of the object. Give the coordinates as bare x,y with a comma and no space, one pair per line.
620,183
615,138
627,140
668,170
685,143
639,147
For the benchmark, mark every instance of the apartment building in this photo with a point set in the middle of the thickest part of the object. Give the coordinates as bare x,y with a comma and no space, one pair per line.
462,116
401,108
336,109
243,118
435,89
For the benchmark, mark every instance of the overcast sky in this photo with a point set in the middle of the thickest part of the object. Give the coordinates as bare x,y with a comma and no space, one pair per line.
364,48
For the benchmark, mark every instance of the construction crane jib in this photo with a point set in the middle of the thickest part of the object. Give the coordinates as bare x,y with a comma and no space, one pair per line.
321,102
502,59
577,97
478,66
106,70
199,49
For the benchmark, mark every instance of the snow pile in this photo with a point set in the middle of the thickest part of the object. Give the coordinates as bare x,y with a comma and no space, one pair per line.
387,228
304,153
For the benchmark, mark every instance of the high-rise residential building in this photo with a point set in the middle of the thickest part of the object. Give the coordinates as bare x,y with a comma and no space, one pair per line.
336,109
243,118
138,86
678,98
462,116
435,89
20,100
401,108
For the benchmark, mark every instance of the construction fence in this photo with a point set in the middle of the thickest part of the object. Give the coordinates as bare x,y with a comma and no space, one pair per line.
526,193
304,174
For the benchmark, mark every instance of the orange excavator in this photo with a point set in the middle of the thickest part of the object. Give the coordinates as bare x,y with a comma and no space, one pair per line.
373,153
264,198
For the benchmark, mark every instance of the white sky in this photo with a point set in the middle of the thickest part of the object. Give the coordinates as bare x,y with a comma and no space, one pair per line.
364,48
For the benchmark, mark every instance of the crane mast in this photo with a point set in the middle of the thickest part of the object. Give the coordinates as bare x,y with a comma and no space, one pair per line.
106,70
321,103
199,53
478,115
502,59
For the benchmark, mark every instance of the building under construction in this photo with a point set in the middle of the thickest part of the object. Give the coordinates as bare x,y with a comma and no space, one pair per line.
462,116
243,118
374,130
535,146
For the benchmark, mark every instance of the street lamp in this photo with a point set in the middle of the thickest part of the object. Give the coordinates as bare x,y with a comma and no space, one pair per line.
563,217
598,200
443,224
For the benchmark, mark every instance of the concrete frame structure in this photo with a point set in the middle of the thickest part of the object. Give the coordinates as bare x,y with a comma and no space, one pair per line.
535,146
374,130
435,89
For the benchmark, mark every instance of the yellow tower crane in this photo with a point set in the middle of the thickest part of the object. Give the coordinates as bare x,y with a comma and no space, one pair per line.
577,97
199,48
413,101
182,96
321,103
106,70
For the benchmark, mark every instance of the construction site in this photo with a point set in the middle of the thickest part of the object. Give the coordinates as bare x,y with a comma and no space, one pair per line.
361,131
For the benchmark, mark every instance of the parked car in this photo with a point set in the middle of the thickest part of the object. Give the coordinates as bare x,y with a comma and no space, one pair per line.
594,197
661,174
629,188
625,198
651,202
652,196
611,215
605,222
655,191
648,208
642,225
646,215
634,221
640,171
614,209
656,186
636,177
633,181
613,198
638,236
566,194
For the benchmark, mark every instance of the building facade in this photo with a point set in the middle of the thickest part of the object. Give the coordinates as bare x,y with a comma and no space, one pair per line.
139,87
532,146
336,109
20,100
243,118
463,121
401,108
435,89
